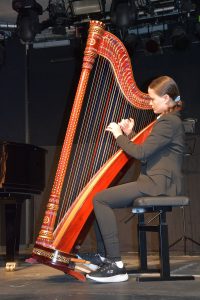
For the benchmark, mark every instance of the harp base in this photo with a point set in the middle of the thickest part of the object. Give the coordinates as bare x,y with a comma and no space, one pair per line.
56,259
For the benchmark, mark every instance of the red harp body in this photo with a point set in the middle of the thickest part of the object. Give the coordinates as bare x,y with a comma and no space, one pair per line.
55,243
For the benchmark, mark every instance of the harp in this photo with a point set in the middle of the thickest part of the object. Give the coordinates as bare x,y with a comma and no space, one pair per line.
106,91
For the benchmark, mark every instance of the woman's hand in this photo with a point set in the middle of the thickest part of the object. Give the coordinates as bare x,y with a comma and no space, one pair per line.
127,125
115,129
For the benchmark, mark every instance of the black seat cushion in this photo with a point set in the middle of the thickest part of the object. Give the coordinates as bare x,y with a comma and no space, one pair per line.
161,201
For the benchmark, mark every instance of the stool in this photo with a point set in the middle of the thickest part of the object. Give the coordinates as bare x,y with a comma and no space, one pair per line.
159,205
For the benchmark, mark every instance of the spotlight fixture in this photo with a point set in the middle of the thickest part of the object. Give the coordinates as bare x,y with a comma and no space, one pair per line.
58,16
180,39
85,7
28,18
186,5
123,13
153,44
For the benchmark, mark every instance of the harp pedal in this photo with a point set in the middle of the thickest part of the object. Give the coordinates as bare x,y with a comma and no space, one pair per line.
85,266
82,268
10,266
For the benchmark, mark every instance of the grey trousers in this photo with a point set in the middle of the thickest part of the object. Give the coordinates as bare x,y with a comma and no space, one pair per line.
120,196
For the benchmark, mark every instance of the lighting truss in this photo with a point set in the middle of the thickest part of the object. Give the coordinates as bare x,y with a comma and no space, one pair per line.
148,9
161,7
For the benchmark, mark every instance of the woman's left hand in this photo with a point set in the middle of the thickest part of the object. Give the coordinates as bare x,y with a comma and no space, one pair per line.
115,129
127,125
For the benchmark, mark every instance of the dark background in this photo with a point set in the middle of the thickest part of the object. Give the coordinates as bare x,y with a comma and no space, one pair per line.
53,75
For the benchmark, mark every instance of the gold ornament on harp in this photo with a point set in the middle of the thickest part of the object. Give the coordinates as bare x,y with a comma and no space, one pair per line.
46,235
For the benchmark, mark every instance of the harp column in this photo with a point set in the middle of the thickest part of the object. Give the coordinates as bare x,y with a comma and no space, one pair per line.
96,32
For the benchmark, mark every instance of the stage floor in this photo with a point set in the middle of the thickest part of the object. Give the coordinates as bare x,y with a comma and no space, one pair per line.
29,282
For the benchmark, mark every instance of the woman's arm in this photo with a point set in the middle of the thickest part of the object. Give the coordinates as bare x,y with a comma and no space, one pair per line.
160,137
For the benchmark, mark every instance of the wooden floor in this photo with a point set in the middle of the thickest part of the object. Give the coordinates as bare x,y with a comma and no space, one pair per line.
29,282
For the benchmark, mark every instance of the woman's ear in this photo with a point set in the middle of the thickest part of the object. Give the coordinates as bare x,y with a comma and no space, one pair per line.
166,98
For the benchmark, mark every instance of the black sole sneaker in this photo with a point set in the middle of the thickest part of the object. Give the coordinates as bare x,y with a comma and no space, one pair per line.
109,272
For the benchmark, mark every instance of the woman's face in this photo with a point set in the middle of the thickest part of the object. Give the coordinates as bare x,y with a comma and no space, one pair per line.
159,104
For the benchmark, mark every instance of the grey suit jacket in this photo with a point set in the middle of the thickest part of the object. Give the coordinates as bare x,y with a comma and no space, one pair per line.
162,154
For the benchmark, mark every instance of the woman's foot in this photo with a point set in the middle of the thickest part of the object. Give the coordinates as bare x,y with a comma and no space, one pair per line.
109,272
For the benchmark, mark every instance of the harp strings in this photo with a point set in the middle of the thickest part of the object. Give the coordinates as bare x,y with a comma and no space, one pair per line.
98,110
86,140
105,104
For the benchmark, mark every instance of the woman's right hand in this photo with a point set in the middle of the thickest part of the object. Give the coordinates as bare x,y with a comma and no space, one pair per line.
127,125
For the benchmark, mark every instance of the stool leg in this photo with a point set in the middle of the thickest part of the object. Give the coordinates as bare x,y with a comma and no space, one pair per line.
142,244
162,230
164,247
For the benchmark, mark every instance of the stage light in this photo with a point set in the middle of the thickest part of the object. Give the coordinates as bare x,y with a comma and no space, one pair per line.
186,5
179,38
58,16
28,18
123,13
86,7
153,44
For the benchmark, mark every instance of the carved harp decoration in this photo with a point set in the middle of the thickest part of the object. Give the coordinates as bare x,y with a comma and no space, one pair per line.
53,246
